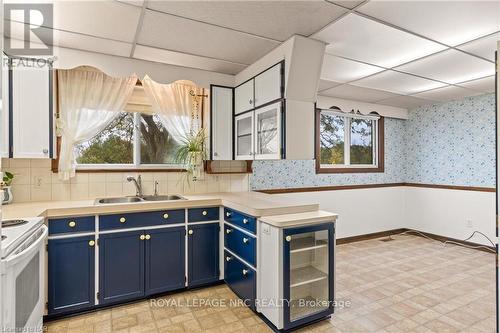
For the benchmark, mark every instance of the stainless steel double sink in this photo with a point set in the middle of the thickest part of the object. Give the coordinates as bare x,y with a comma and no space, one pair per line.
145,198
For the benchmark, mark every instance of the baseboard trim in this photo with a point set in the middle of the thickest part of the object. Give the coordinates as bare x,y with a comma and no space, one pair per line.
387,233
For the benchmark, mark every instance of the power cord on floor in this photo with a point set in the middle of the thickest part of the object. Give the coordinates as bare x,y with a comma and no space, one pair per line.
453,242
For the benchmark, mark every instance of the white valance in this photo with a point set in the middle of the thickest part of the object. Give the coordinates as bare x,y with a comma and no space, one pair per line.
351,114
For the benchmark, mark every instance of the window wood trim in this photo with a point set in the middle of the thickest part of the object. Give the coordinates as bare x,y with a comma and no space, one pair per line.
380,149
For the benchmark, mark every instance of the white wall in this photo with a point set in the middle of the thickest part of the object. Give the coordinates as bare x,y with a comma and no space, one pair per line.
438,211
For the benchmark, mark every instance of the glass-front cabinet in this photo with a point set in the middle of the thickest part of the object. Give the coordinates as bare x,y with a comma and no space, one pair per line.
308,273
268,131
244,136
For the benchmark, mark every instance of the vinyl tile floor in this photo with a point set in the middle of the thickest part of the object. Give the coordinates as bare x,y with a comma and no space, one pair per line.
409,284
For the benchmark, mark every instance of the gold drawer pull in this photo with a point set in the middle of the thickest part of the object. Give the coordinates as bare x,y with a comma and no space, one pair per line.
228,231
165,216
122,220
190,231
245,221
245,272
245,240
148,237
288,238
204,213
91,243
72,224
142,237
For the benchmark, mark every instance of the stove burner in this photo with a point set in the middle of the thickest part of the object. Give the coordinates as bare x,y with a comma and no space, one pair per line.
13,223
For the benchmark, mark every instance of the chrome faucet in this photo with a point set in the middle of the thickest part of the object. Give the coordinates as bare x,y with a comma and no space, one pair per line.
137,183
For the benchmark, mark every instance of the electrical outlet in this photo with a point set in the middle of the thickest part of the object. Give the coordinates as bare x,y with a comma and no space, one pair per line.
469,223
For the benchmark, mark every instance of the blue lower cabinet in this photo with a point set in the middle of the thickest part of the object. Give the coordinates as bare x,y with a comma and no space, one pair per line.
71,274
203,254
165,260
121,266
241,244
240,278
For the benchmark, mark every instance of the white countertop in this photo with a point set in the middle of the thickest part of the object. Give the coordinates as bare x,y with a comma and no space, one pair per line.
287,220
252,203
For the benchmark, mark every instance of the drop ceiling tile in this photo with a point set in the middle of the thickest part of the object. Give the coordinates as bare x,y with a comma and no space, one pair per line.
185,60
407,102
398,83
484,47
137,3
355,93
449,22
347,3
362,39
325,84
486,84
178,34
343,70
446,94
450,66
272,19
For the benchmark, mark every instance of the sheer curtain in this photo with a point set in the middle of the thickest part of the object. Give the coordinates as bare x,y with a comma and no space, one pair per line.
174,103
88,101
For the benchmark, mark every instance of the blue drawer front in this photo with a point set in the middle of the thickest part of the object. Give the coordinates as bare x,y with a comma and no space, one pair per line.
203,214
241,244
135,220
242,220
240,278
72,225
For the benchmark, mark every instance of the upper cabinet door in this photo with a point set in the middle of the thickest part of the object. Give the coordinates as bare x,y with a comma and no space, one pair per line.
268,86
31,112
221,129
268,132
4,138
243,97
244,136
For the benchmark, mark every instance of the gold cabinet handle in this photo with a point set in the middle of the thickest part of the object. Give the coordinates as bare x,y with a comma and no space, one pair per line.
245,221
91,243
228,258
148,237
122,220
228,214
245,240
288,238
190,231
245,272
204,213
165,216
72,224
228,231
142,237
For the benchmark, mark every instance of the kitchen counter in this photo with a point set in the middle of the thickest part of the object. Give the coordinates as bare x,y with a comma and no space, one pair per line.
296,219
251,203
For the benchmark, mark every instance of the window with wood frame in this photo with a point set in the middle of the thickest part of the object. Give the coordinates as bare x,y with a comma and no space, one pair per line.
349,142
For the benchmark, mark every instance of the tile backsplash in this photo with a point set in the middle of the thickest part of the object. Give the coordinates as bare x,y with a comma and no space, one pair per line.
34,181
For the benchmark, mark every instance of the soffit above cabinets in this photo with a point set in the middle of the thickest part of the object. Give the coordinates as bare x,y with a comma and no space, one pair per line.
365,40
485,85
450,66
201,39
343,70
398,83
350,92
277,20
484,47
405,101
448,22
446,94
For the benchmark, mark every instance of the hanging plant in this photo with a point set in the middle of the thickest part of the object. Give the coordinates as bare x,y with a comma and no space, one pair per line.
191,153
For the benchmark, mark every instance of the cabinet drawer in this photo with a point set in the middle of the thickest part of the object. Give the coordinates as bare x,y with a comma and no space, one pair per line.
241,244
137,220
72,225
240,278
242,220
203,214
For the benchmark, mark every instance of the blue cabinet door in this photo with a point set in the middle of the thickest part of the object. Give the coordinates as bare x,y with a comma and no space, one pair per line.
165,259
71,274
241,279
121,266
203,254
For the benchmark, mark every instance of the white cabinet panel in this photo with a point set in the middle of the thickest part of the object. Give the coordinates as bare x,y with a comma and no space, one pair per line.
244,136
268,132
4,118
221,122
243,97
31,116
268,86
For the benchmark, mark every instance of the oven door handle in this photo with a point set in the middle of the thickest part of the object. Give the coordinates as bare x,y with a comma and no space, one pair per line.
26,252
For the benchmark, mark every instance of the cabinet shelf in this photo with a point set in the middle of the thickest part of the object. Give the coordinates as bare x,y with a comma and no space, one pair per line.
305,275
298,312
307,244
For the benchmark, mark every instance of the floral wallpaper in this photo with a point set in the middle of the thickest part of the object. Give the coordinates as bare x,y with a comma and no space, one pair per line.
447,144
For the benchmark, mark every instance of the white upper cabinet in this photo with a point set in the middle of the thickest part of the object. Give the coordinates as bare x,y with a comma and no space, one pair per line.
4,138
268,86
268,132
221,129
244,136
243,97
31,112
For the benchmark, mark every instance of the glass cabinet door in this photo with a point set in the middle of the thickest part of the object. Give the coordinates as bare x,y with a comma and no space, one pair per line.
268,131
244,136
309,268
